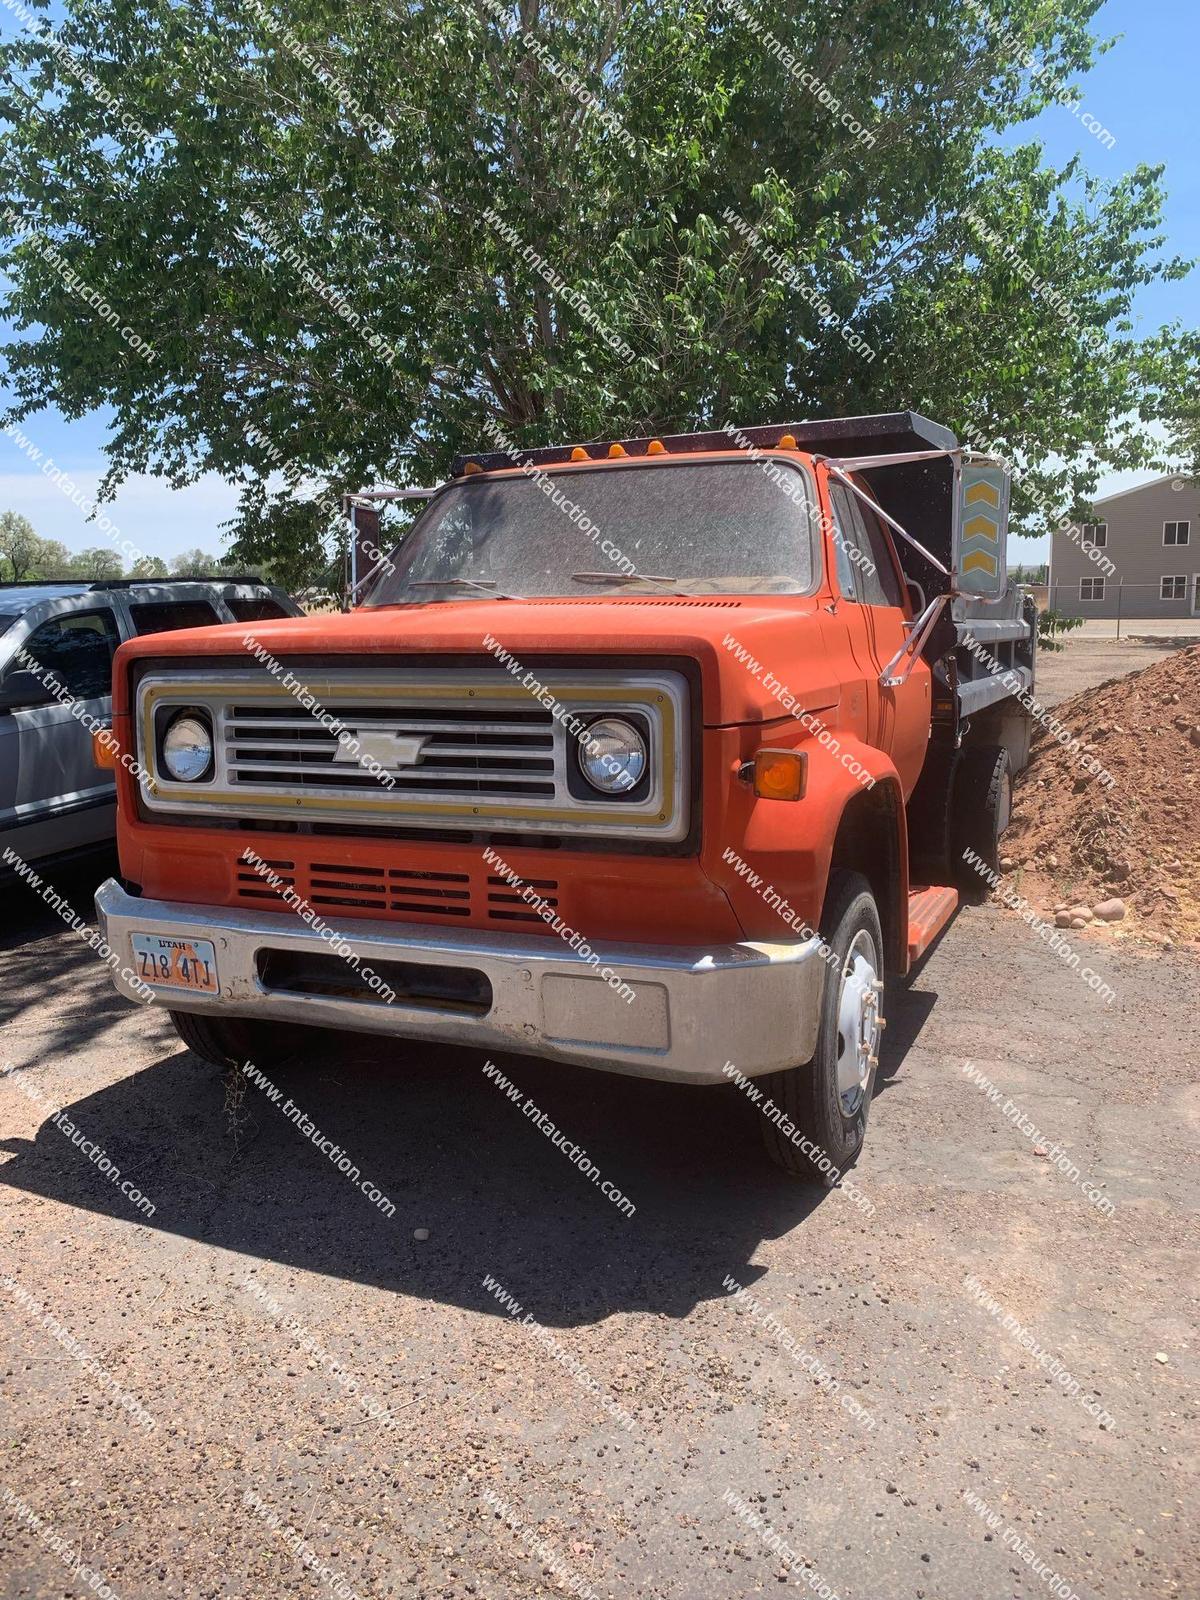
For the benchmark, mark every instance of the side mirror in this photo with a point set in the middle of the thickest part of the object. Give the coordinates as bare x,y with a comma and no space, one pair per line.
23,690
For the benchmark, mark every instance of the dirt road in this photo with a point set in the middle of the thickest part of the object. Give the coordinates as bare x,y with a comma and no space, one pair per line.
886,1391
1085,662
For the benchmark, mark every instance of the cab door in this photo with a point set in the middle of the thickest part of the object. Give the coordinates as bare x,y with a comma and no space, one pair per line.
900,716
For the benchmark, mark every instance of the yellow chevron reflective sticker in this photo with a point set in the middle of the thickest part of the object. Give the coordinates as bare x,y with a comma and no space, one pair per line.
982,528
982,490
980,559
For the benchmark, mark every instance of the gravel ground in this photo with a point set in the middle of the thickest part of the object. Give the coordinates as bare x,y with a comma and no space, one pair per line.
854,1426
1185,629
1085,662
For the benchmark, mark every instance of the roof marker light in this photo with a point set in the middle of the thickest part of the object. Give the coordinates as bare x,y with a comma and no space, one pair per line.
472,466
656,448
579,454
615,450
788,442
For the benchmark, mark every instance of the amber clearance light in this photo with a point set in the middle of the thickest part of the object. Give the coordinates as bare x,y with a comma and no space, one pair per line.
780,774
104,749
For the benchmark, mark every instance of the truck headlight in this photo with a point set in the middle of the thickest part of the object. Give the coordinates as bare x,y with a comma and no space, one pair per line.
612,755
187,747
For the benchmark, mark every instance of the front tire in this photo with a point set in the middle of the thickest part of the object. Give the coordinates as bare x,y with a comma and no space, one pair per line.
826,1100
226,1042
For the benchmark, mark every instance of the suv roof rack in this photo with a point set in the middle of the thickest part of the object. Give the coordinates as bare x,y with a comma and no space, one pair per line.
128,583
166,583
886,433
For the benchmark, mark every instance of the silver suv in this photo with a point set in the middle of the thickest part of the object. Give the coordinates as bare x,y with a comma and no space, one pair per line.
56,648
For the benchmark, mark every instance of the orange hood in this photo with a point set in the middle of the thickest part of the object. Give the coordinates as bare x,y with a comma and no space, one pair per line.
737,640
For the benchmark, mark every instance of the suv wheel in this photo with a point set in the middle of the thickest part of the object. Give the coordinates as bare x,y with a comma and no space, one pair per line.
826,1100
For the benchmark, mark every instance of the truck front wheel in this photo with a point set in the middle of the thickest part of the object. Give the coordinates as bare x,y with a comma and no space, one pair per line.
231,1041
815,1118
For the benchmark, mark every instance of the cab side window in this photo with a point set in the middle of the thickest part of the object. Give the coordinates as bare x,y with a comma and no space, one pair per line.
77,651
843,545
863,547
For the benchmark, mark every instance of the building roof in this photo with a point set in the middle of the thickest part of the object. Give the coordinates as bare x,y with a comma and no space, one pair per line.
1153,483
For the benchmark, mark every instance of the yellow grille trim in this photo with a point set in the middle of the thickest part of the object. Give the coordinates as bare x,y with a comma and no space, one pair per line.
327,688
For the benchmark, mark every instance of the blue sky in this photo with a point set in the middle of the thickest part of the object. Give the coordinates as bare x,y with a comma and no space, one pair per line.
1142,91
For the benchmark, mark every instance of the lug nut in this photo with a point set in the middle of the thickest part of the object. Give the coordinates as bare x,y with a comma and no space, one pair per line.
881,1023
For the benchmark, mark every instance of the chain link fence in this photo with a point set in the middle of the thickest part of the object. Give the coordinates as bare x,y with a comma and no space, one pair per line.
1129,607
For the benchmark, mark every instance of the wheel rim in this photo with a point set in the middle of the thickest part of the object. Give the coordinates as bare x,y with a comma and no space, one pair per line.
858,1022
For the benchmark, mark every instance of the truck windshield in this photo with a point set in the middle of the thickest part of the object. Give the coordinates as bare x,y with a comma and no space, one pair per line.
722,527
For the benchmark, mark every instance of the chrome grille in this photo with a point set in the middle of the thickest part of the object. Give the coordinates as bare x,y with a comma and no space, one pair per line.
467,753
436,749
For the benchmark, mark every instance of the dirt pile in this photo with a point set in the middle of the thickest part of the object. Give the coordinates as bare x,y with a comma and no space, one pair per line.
1078,839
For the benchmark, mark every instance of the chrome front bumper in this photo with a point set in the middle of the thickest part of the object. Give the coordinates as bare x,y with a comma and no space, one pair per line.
753,1004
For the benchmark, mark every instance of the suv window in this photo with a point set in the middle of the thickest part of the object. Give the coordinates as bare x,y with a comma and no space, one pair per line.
167,616
77,650
862,547
264,610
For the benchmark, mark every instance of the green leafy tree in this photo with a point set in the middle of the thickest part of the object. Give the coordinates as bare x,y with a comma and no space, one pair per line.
1051,626
148,567
20,547
194,564
54,560
349,237
97,564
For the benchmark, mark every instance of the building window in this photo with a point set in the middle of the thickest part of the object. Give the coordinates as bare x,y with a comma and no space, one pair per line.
1096,534
1173,588
1176,532
1091,588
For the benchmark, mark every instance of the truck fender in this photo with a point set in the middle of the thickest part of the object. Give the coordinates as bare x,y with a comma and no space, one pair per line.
851,816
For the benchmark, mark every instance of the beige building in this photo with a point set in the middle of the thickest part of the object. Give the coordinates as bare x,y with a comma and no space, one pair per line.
1141,558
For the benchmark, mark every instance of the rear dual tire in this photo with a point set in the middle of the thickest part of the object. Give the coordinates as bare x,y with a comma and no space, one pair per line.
982,811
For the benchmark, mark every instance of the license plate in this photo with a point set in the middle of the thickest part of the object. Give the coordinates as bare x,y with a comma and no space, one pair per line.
176,963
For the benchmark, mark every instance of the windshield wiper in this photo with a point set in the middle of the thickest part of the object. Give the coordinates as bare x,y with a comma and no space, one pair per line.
623,577
486,584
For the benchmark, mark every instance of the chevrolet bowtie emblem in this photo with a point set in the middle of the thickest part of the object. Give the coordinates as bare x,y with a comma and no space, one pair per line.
388,749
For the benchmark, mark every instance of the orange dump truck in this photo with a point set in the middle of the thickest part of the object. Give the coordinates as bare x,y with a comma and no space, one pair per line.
656,756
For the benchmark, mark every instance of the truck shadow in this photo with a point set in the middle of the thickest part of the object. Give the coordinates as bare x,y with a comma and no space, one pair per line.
47,969
455,1156
427,1128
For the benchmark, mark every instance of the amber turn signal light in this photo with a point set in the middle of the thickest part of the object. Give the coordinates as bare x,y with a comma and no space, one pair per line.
104,749
780,774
